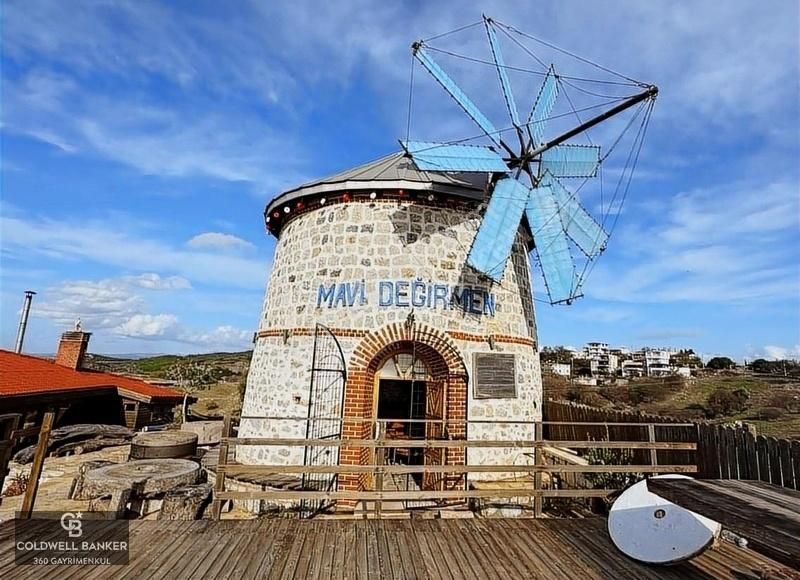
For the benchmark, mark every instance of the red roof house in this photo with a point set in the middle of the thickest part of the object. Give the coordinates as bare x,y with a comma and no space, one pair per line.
30,384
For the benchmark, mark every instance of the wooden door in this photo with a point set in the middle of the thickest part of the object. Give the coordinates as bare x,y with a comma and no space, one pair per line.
434,412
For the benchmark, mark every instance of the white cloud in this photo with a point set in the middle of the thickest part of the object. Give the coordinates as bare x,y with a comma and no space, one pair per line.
725,244
147,325
114,306
779,352
166,327
99,305
99,243
220,241
221,337
153,281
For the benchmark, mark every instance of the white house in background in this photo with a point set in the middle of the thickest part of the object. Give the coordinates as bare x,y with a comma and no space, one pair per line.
560,369
656,362
632,368
600,358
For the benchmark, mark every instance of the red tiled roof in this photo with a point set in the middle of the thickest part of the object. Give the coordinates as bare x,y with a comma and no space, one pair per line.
22,374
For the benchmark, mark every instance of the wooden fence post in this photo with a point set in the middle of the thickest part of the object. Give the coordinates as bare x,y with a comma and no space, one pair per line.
651,437
379,455
36,468
538,460
219,484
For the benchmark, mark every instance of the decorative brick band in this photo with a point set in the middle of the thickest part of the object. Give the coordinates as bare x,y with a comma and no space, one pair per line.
360,333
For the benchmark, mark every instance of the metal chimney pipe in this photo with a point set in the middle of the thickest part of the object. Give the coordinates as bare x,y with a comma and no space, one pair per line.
23,320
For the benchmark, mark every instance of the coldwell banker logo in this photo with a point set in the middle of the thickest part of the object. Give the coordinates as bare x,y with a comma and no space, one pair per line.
72,523
71,538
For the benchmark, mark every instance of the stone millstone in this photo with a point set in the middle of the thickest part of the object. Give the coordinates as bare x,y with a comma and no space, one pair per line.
163,445
145,477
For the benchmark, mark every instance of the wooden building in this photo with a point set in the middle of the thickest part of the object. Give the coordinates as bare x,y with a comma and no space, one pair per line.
30,385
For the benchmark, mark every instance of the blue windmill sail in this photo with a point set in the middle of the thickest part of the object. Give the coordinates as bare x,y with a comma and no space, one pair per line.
495,238
552,248
582,229
455,91
570,161
463,158
499,62
543,106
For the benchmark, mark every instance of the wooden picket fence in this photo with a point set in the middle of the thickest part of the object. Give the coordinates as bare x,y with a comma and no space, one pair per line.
733,452
592,423
723,451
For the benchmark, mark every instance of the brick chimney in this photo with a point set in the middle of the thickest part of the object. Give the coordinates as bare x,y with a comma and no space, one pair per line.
71,349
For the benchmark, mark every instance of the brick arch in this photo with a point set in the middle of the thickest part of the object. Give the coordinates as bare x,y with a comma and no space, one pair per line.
423,336
445,364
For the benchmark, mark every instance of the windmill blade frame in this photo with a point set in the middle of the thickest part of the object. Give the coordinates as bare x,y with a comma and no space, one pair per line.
499,62
449,85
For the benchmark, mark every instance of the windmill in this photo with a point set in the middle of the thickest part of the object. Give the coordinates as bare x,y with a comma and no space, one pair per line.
554,215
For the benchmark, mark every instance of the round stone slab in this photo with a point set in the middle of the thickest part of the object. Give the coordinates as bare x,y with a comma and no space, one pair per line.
144,477
163,445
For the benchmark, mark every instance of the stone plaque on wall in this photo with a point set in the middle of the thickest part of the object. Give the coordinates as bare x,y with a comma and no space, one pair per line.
494,375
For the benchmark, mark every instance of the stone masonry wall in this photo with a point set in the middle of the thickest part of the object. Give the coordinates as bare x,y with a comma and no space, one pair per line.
366,243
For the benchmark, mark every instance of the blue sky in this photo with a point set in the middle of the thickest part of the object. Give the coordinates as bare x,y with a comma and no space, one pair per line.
140,141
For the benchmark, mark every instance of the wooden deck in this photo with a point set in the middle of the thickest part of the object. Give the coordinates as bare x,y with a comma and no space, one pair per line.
453,549
767,515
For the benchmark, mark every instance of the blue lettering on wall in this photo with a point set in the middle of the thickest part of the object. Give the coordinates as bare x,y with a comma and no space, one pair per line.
401,293
404,294
325,294
385,293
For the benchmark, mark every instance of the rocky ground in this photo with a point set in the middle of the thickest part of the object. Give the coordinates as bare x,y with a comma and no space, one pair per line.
56,480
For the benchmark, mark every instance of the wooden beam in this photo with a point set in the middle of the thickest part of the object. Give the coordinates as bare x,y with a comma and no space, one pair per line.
411,495
462,421
239,469
441,443
36,468
219,483
538,457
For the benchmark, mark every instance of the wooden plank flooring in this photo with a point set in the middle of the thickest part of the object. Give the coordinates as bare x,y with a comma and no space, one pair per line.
347,549
767,515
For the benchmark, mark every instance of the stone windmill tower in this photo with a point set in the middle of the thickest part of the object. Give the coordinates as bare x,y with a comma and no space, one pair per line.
401,289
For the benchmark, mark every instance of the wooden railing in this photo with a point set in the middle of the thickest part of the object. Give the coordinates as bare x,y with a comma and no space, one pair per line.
533,448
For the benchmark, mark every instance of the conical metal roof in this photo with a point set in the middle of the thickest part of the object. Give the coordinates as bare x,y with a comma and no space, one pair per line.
395,171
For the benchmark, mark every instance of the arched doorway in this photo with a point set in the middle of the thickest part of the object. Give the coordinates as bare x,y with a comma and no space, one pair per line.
409,404
403,356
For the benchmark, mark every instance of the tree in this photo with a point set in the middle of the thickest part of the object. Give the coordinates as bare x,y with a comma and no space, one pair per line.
719,363
685,358
555,354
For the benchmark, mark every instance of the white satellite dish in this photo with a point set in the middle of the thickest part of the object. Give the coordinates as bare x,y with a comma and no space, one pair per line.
650,529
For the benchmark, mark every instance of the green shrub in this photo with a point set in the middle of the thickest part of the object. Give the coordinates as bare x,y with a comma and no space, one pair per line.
770,413
782,400
598,456
723,401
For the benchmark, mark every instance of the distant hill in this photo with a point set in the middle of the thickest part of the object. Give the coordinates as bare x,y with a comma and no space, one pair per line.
216,379
160,365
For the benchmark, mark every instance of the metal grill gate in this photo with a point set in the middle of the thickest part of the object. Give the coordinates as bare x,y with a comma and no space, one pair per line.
325,411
